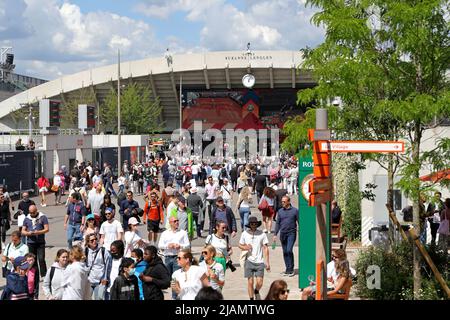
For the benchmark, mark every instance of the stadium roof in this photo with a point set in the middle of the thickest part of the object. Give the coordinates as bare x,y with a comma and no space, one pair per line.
211,70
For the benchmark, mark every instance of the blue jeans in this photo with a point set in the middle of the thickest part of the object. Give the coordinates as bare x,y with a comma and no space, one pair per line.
287,244
109,187
244,213
73,233
172,266
121,188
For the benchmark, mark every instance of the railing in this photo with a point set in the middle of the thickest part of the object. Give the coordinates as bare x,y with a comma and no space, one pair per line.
415,240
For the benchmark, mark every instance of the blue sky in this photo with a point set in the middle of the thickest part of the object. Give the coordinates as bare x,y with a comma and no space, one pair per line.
51,38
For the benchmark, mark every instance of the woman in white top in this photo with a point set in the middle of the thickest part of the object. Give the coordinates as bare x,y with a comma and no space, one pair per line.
56,188
75,284
226,191
52,286
213,269
219,240
187,281
133,239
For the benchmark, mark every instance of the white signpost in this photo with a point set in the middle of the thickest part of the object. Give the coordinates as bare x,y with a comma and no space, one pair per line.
362,146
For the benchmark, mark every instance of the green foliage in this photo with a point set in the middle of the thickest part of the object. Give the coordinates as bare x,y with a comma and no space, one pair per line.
139,114
396,273
347,192
69,107
18,116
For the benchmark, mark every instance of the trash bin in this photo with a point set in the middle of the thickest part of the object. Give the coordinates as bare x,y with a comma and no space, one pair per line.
379,236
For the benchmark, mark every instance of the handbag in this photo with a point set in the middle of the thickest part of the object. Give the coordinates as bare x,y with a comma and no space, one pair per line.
264,205
54,188
444,226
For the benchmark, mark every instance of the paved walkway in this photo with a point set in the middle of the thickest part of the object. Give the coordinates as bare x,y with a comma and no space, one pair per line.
235,284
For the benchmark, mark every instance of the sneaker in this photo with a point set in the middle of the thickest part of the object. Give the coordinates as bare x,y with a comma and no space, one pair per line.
291,274
283,274
257,295
265,230
44,205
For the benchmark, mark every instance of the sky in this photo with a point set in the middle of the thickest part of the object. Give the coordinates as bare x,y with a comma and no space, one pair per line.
53,38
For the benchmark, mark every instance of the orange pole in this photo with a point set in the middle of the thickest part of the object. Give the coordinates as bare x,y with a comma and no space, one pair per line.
319,269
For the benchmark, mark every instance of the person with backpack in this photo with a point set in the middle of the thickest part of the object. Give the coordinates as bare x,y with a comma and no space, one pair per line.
154,211
155,277
179,177
126,286
76,285
98,262
117,251
53,280
223,213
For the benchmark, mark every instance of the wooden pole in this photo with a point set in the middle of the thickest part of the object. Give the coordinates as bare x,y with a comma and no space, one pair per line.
396,222
427,257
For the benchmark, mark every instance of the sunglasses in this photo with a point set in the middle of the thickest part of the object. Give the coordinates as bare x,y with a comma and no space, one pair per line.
92,240
253,223
176,220
179,258
204,252
285,291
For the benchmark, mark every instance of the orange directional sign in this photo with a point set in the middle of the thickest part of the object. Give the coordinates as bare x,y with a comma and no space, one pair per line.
317,185
318,198
361,146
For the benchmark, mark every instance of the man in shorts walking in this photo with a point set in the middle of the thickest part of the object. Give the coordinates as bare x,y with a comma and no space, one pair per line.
256,243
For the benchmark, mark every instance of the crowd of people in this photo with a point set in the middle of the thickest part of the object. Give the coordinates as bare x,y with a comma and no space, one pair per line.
107,256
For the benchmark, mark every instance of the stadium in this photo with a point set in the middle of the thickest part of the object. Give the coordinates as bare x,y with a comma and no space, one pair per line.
211,87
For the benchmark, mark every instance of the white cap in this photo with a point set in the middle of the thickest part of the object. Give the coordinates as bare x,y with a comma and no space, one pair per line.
133,221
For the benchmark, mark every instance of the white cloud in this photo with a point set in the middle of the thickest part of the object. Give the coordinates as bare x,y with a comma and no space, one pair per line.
65,40
267,24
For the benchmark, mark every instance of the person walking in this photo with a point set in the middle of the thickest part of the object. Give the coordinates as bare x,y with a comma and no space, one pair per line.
444,230
214,270
155,277
25,203
255,242
226,191
56,187
16,248
185,217
35,226
54,278
267,207
154,212
221,242
76,285
189,278
75,219
243,205
98,261
195,203
127,207
5,219
126,285
211,189
132,237
16,282
171,242
259,185
286,225
110,230
433,211
223,213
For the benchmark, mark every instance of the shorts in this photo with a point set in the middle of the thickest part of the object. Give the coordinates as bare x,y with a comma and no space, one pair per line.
253,269
153,225
43,189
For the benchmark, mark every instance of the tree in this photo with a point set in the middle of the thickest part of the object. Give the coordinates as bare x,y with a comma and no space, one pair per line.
69,107
139,114
387,60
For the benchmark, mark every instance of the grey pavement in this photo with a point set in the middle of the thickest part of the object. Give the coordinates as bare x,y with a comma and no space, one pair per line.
235,284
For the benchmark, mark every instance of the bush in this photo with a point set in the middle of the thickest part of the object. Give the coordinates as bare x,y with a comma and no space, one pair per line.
396,269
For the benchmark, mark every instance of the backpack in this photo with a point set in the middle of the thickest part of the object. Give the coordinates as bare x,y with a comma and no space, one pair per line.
223,173
178,175
408,214
52,273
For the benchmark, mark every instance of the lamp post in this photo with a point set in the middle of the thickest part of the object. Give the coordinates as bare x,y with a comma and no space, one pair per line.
119,138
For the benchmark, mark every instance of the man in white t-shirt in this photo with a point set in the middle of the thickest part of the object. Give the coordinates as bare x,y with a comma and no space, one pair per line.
256,243
95,200
195,169
110,230
171,242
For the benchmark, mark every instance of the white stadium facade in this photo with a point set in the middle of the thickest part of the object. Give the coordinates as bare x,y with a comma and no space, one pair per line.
212,74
